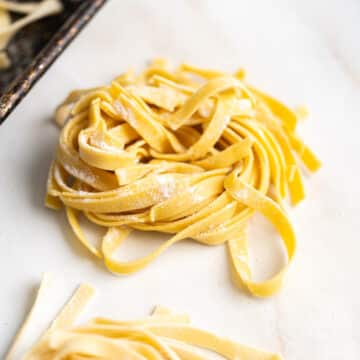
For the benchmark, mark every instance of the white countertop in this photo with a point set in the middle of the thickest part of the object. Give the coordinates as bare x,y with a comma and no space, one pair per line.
302,51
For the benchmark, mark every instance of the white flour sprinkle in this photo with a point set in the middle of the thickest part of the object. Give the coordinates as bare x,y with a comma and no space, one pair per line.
86,176
98,140
167,186
82,192
107,147
119,107
132,120
242,195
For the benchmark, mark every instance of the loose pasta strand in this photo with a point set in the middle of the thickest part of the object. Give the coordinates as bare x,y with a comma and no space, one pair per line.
163,335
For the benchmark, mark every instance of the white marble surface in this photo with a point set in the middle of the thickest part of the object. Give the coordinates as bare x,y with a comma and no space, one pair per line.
303,51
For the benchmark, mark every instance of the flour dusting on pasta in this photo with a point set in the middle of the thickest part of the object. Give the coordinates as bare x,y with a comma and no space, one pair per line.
185,151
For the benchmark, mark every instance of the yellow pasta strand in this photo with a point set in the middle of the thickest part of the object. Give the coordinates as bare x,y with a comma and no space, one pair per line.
163,335
190,152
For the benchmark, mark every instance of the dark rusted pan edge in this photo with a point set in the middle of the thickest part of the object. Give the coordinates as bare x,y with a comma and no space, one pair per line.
61,39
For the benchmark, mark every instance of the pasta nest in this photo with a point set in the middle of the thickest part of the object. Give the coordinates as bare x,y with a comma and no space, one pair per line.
190,152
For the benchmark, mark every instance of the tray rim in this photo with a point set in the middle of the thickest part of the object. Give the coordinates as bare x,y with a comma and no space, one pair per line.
23,83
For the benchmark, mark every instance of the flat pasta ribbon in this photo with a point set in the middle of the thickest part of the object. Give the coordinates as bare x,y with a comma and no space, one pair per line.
190,152
162,336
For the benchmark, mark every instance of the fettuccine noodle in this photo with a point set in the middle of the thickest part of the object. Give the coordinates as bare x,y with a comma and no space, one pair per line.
162,336
190,152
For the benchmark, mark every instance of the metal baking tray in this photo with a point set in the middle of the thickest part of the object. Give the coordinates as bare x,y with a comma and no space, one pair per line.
34,48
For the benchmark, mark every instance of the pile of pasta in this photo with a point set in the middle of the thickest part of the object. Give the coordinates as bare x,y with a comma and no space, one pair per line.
162,336
187,151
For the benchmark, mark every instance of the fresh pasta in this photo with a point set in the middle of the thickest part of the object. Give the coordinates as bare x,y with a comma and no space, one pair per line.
189,152
162,336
